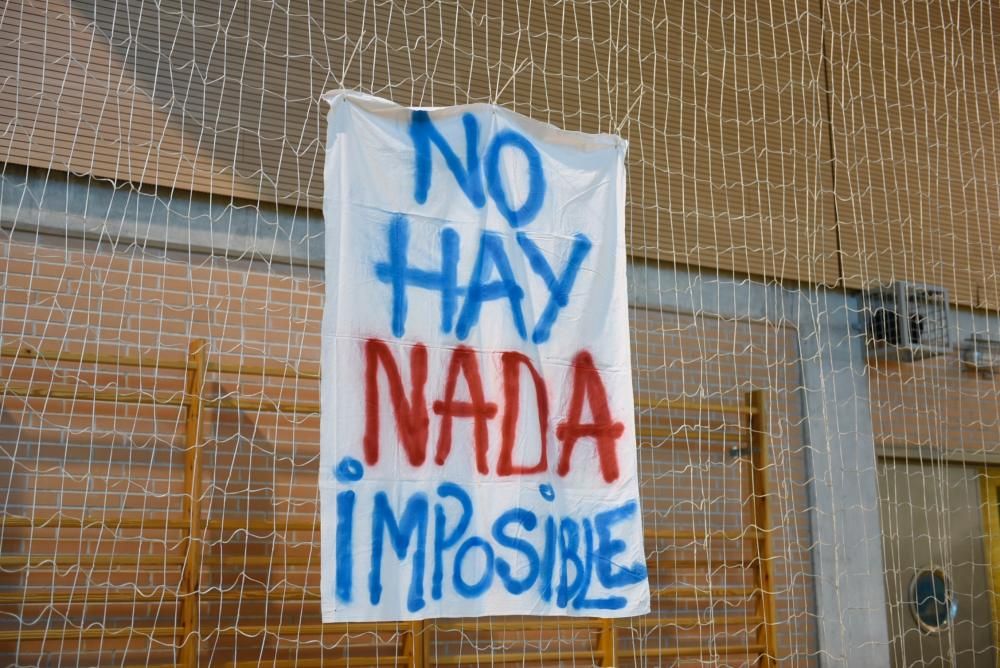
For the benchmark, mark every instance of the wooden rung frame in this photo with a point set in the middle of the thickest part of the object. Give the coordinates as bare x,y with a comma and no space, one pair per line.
25,352
695,650
382,659
541,656
751,607
687,436
697,406
71,632
691,621
64,521
188,652
89,597
97,561
705,594
760,454
77,394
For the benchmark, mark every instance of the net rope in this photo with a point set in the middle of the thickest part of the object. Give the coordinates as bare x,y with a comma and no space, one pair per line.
162,268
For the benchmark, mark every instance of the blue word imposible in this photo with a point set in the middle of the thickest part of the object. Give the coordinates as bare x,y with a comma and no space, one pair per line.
559,559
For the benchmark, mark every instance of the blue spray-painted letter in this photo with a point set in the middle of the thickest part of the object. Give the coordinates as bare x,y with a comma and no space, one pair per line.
398,273
414,520
423,133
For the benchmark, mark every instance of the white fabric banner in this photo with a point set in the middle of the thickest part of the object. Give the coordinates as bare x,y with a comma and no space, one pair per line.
478,443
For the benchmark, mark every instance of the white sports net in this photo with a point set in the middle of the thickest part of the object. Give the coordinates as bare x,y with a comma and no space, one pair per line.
162,289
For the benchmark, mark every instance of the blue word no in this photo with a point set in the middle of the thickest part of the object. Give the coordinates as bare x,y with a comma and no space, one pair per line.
470,175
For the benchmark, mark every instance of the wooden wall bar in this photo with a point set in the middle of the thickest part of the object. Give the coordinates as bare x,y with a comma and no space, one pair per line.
180,555
94,533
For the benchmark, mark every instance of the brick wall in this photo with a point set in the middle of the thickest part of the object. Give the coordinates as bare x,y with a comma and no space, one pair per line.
107,459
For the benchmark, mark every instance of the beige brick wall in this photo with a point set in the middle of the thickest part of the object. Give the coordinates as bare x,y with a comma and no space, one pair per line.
105,459
936,403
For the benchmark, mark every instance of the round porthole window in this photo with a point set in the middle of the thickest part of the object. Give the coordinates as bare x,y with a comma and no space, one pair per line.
932,600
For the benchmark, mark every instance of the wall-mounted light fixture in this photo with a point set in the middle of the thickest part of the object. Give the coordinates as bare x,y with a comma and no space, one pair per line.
907,322
980,354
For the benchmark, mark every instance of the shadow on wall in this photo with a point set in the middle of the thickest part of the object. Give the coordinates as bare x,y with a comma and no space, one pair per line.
234,85
237,86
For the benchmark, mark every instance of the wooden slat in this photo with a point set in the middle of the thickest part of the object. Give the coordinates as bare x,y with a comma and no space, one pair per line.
62,521
191,577
267,526
607,645
532,624
707,652
705,594
262,405
346,628
687,437
265,370
297,595
55,356
663,562
502,658
119,396
78,394
700,536
86,561
87,596
273,561
23,352
66,633
383,659
749,622
697,406
760,463
414,645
